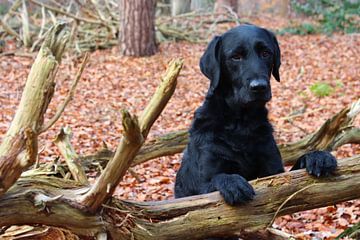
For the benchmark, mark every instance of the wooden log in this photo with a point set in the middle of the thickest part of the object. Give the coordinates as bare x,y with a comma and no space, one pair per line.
29,117
51,201
335,132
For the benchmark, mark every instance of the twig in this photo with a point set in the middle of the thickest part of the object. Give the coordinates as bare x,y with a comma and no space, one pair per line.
9,30
287,200
110,12
15,5
54,9
43,22
68,97
18,54
301,114
135,175
25,25
280,234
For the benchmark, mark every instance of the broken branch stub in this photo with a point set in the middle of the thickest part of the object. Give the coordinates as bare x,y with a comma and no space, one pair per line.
135,133
195,217
29,117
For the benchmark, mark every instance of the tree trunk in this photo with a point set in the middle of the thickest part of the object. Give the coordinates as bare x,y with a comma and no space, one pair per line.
226,5
180,6
200,5
52,201
137,27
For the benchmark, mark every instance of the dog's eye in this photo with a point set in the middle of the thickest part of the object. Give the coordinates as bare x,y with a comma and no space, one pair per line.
237,57
265,53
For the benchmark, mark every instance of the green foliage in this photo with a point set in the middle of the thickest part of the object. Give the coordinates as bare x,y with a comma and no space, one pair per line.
302,29
333,15
321,89
339,84
3,8
353,232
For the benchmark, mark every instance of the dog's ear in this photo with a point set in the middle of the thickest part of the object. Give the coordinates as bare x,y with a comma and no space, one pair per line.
210,64
277,57
277,61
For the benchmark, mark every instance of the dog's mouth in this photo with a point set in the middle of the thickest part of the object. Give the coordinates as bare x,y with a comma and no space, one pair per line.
242,97
260,97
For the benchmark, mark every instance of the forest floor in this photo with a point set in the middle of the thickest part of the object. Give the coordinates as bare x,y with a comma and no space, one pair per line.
111,83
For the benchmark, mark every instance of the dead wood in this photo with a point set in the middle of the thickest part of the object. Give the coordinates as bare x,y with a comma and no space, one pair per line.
62,141
51,201
135,133
334,133
19,147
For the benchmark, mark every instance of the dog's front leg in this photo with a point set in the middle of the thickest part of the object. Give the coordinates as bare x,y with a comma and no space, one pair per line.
317,163
233,187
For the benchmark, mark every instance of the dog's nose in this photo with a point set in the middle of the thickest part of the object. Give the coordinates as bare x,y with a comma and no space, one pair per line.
258,85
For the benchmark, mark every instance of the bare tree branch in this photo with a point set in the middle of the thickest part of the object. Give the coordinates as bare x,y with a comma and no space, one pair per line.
57,10
29,117
68,98
134,135
62,141
334,133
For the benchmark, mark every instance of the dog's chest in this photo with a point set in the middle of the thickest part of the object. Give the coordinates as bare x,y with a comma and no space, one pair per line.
238,137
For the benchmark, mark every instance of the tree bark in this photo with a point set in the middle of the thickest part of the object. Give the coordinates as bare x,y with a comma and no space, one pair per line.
135,133
19,147
137,27
335,132
51,201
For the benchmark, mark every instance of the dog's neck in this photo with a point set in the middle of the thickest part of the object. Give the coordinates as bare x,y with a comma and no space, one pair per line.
216,106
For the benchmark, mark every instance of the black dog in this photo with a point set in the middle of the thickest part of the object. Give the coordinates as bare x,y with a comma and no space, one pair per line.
231,139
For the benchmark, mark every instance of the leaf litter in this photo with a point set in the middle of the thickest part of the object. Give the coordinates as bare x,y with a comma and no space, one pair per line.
111,83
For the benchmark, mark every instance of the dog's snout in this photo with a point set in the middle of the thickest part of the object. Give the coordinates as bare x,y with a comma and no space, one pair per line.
259,85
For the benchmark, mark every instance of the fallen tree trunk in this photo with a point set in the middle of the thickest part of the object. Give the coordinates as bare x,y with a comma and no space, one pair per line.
334,133
51,201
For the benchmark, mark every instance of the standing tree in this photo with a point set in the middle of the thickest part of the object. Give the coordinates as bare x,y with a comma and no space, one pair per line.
137,27
200,5
180,7
223,5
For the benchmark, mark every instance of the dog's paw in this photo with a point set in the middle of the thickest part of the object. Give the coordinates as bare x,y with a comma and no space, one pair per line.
235,189
318,163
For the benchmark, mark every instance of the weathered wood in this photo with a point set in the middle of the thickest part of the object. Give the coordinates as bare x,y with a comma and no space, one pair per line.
118,165
26,36
62,141
334,133
29,117
68,98
57,10
168,144
325,137
51,201
135,134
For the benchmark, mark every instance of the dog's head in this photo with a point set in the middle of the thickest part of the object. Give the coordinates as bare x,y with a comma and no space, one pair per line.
239,64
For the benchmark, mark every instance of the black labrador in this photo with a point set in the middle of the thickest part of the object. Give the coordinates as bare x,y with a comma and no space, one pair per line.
231,139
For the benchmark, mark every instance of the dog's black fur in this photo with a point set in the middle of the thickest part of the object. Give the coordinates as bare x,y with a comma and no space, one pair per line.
231,139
